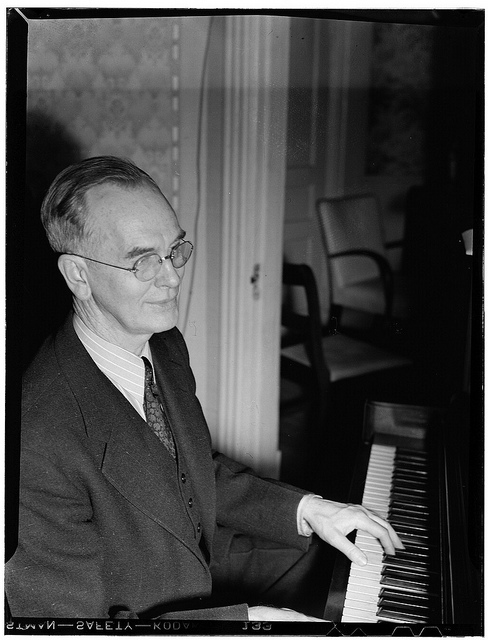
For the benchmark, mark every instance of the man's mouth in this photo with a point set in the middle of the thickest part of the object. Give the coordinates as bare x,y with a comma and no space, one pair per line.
163,303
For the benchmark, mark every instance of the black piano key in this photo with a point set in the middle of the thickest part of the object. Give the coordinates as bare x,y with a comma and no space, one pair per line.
407,585
408,481
404,463
419,473
412,559
400,497
403,596
408,599
403,489
401,525
406,574
401,616
410,472
402,600
413,552
412,536
417,549
411,565
412,533
399,506
409,519
423,532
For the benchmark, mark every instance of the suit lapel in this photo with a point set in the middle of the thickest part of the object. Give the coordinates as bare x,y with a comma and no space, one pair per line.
189,427
134,462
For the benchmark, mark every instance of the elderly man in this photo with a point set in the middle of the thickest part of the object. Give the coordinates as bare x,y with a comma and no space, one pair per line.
124,509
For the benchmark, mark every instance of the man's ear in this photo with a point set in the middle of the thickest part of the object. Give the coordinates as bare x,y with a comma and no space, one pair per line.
74,271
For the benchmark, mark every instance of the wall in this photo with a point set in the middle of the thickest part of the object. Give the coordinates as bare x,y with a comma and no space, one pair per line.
389,87
201,283
111,85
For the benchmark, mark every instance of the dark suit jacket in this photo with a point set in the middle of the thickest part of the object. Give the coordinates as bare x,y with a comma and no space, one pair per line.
108,523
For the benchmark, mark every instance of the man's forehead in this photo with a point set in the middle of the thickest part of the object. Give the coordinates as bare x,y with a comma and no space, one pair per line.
128,216
115,203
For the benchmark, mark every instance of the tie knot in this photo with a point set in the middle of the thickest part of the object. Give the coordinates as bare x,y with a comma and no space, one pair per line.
148,372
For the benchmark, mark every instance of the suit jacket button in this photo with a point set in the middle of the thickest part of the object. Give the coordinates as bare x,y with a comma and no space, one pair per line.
190,502
199,528
183,477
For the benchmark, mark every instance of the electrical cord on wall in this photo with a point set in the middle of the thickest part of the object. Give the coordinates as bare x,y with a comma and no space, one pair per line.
198,172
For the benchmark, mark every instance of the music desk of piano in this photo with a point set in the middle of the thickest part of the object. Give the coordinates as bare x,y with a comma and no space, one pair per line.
408,473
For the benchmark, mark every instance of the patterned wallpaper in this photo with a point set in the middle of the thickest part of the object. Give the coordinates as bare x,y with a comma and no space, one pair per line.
399,99
103,86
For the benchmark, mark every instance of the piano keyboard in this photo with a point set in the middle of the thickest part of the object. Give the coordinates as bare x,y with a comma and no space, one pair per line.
403,587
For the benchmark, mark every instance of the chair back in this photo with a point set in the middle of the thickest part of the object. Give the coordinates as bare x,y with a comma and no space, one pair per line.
305,328
351,223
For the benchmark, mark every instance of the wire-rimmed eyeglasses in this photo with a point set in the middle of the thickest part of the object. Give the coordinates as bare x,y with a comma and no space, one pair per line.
148,267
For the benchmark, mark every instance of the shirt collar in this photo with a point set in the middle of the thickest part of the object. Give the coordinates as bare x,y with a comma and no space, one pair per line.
120,365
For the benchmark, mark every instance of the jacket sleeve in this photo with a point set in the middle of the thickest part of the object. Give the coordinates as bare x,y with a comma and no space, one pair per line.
257,506
56,569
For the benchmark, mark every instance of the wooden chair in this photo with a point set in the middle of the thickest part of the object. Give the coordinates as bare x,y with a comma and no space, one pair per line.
360,275
317,361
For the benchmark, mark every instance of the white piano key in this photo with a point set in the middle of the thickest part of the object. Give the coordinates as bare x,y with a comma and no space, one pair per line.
354,616
371,590
359,605
367,538
364,582
365,596
370,568
358,615
378,484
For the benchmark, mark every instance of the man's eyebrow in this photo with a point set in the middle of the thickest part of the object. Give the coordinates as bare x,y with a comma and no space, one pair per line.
136,252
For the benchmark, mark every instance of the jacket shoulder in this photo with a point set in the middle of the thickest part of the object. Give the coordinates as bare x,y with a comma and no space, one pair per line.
40,376
174,342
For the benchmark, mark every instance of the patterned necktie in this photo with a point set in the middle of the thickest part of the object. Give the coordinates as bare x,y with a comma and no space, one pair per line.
153,408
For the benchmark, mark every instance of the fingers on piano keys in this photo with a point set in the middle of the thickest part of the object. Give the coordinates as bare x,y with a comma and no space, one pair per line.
403,587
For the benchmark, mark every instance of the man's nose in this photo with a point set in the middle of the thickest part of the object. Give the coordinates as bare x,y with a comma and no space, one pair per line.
168,276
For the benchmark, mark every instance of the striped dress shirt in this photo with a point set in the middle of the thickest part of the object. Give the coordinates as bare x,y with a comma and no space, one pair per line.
123,368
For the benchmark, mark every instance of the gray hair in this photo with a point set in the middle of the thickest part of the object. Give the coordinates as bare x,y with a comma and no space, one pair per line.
64,212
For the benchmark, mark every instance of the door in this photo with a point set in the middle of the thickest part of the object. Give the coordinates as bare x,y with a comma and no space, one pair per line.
306,147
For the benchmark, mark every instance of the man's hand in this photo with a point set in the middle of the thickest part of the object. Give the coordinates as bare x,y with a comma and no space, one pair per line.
270,614
332,521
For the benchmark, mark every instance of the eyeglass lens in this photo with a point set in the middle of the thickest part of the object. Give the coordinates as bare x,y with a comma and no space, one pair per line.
181,254
148,266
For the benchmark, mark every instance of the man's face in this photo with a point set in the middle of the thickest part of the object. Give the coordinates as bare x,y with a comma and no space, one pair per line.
127,224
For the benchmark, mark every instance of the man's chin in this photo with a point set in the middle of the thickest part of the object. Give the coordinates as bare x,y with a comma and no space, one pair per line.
169,321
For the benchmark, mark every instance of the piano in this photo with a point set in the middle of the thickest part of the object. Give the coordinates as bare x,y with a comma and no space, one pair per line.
410,472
